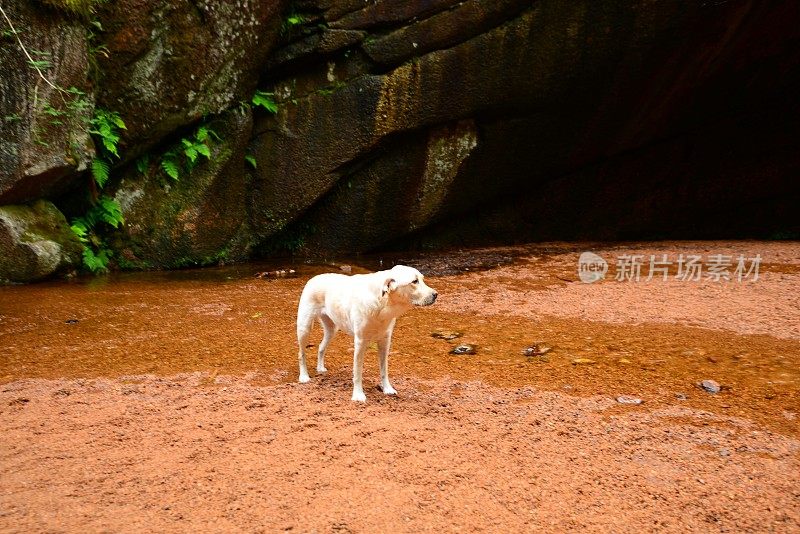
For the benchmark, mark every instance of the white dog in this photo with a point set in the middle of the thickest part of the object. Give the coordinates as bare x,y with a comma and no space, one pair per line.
365,306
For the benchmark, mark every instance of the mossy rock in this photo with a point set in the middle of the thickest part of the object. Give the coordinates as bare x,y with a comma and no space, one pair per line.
36,242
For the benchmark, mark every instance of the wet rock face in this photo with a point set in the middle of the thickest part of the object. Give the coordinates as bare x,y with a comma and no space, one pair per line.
36,242
199,219
44,136
577,92
432,122
171,63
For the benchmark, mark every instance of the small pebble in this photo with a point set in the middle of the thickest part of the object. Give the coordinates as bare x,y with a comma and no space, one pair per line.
71,321
724,452
464,349
710,386
281,273
681,396
447,336
536,350
583,361
627,399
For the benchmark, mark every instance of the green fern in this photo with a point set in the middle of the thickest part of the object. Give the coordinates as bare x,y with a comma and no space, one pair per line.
96,261
88,228
250,159
106,126
80,229
265,100
110,211
100,172
189,151
170,167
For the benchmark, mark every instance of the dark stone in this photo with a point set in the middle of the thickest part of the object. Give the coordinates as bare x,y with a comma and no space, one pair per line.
443,30
317,46
334,9
388,13
171,63
464,349
399,189
40,152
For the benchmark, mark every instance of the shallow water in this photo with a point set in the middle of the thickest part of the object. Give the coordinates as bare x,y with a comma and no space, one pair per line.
224,321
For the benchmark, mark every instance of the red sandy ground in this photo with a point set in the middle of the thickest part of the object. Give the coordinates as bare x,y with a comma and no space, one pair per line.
455,451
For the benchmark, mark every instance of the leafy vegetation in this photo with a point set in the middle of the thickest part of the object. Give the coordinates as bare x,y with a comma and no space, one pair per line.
265,100
292,22
186,154
106,126
105,212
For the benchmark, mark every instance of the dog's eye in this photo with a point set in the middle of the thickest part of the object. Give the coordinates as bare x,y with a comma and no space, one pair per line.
415,281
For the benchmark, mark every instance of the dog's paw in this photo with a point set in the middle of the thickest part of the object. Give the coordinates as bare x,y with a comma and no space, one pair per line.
358,396
321,370
304,379
387,389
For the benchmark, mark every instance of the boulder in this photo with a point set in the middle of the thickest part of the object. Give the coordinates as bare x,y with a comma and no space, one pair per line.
198,219
36,242
168,64
398,192
44,119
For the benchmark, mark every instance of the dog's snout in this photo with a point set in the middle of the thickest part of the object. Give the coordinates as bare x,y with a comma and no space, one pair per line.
434,296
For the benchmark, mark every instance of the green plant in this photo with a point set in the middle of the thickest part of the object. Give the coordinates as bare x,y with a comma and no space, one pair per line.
265,100
105,212
291,22
89,229
251,160
187,152
105,127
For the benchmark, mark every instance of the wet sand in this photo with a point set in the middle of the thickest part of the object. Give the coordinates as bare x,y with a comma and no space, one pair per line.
130,400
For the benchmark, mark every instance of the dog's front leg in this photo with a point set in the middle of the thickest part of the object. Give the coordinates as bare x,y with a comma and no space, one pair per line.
358,369
383,361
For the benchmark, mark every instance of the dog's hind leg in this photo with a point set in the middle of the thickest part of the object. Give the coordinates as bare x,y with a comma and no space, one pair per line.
358,369
305,320
383,362
329,330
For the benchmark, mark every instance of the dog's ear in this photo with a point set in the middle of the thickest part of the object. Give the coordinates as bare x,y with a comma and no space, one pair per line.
389,285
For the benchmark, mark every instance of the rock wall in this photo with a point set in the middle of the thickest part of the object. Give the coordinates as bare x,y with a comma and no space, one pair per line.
43,146
418,123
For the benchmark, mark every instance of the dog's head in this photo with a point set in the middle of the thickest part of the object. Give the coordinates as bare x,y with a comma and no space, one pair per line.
406,286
